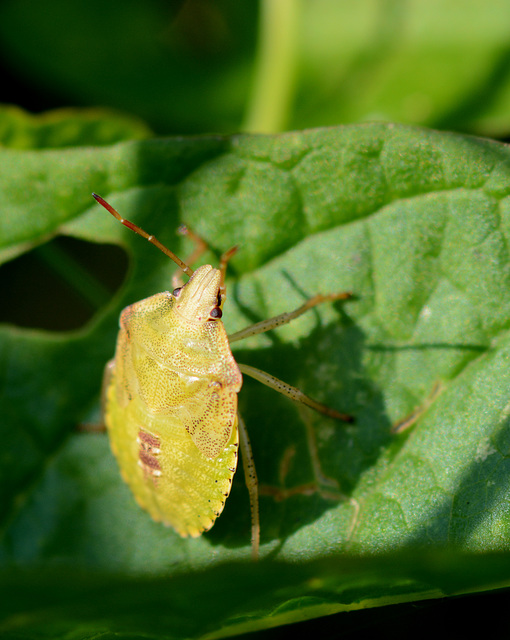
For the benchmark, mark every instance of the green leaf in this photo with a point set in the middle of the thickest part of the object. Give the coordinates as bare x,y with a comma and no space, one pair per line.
180,66
415,223
208,66
439,63
66,128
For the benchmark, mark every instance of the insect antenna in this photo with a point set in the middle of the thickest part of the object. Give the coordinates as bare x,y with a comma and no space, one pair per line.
153,240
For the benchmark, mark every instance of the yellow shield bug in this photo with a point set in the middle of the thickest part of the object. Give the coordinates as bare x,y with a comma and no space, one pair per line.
170,398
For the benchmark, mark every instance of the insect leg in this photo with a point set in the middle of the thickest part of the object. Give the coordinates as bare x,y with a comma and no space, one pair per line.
223,268
199,249
252,484
282,492
407,422
328,488
292,392
285,318
321,478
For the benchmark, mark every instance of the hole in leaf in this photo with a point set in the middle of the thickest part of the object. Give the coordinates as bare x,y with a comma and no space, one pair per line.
60,285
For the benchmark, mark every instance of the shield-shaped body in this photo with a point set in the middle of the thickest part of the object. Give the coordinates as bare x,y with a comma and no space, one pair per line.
171,405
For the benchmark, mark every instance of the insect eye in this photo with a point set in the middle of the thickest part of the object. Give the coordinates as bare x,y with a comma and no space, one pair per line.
216,313
176,292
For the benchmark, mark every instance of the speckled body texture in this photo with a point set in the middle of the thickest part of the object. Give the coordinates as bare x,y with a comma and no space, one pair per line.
171,405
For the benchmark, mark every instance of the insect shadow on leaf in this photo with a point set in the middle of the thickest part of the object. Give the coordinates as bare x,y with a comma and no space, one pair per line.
170,396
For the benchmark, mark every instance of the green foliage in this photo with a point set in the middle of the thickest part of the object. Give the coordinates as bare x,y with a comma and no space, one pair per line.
66,128
416,224
189,66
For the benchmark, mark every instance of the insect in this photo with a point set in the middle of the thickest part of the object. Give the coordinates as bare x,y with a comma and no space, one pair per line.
170,398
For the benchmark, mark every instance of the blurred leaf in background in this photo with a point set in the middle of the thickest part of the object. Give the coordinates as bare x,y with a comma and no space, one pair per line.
67,128
194,66
181,66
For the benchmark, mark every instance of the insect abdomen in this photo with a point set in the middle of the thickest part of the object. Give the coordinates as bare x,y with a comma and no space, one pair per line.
166,472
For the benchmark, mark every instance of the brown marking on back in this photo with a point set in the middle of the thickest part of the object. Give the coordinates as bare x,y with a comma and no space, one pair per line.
147,455
149,460
149,439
